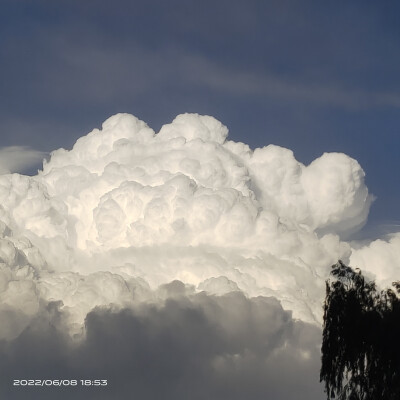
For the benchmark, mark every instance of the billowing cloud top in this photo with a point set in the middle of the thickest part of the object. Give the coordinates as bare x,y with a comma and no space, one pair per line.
127,210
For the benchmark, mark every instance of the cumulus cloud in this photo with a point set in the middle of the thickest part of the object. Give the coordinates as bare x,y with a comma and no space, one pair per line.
246,236
380,258
127,208
18,158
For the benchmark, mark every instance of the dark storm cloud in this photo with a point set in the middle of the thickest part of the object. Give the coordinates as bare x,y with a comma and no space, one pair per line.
192,346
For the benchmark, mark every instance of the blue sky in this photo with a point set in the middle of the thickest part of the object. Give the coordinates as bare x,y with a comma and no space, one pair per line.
311,76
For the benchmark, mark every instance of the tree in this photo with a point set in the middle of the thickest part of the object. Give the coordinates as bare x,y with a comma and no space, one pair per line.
361,338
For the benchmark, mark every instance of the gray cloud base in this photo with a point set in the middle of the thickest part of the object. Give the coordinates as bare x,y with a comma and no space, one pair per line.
195,346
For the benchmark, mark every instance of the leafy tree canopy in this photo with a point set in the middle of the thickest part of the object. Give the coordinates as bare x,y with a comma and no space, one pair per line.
361,338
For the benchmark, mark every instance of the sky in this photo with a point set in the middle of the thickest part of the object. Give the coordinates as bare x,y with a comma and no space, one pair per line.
308,76
170,250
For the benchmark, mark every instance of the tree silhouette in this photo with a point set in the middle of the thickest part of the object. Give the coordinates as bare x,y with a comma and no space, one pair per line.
361,338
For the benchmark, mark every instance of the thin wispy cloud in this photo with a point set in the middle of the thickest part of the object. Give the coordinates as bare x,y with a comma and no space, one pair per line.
268,85
19,158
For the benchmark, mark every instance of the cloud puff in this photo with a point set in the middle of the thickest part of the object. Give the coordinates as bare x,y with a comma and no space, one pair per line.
380,258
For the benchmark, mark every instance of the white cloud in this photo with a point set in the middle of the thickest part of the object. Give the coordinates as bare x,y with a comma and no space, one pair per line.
127,210
380,258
